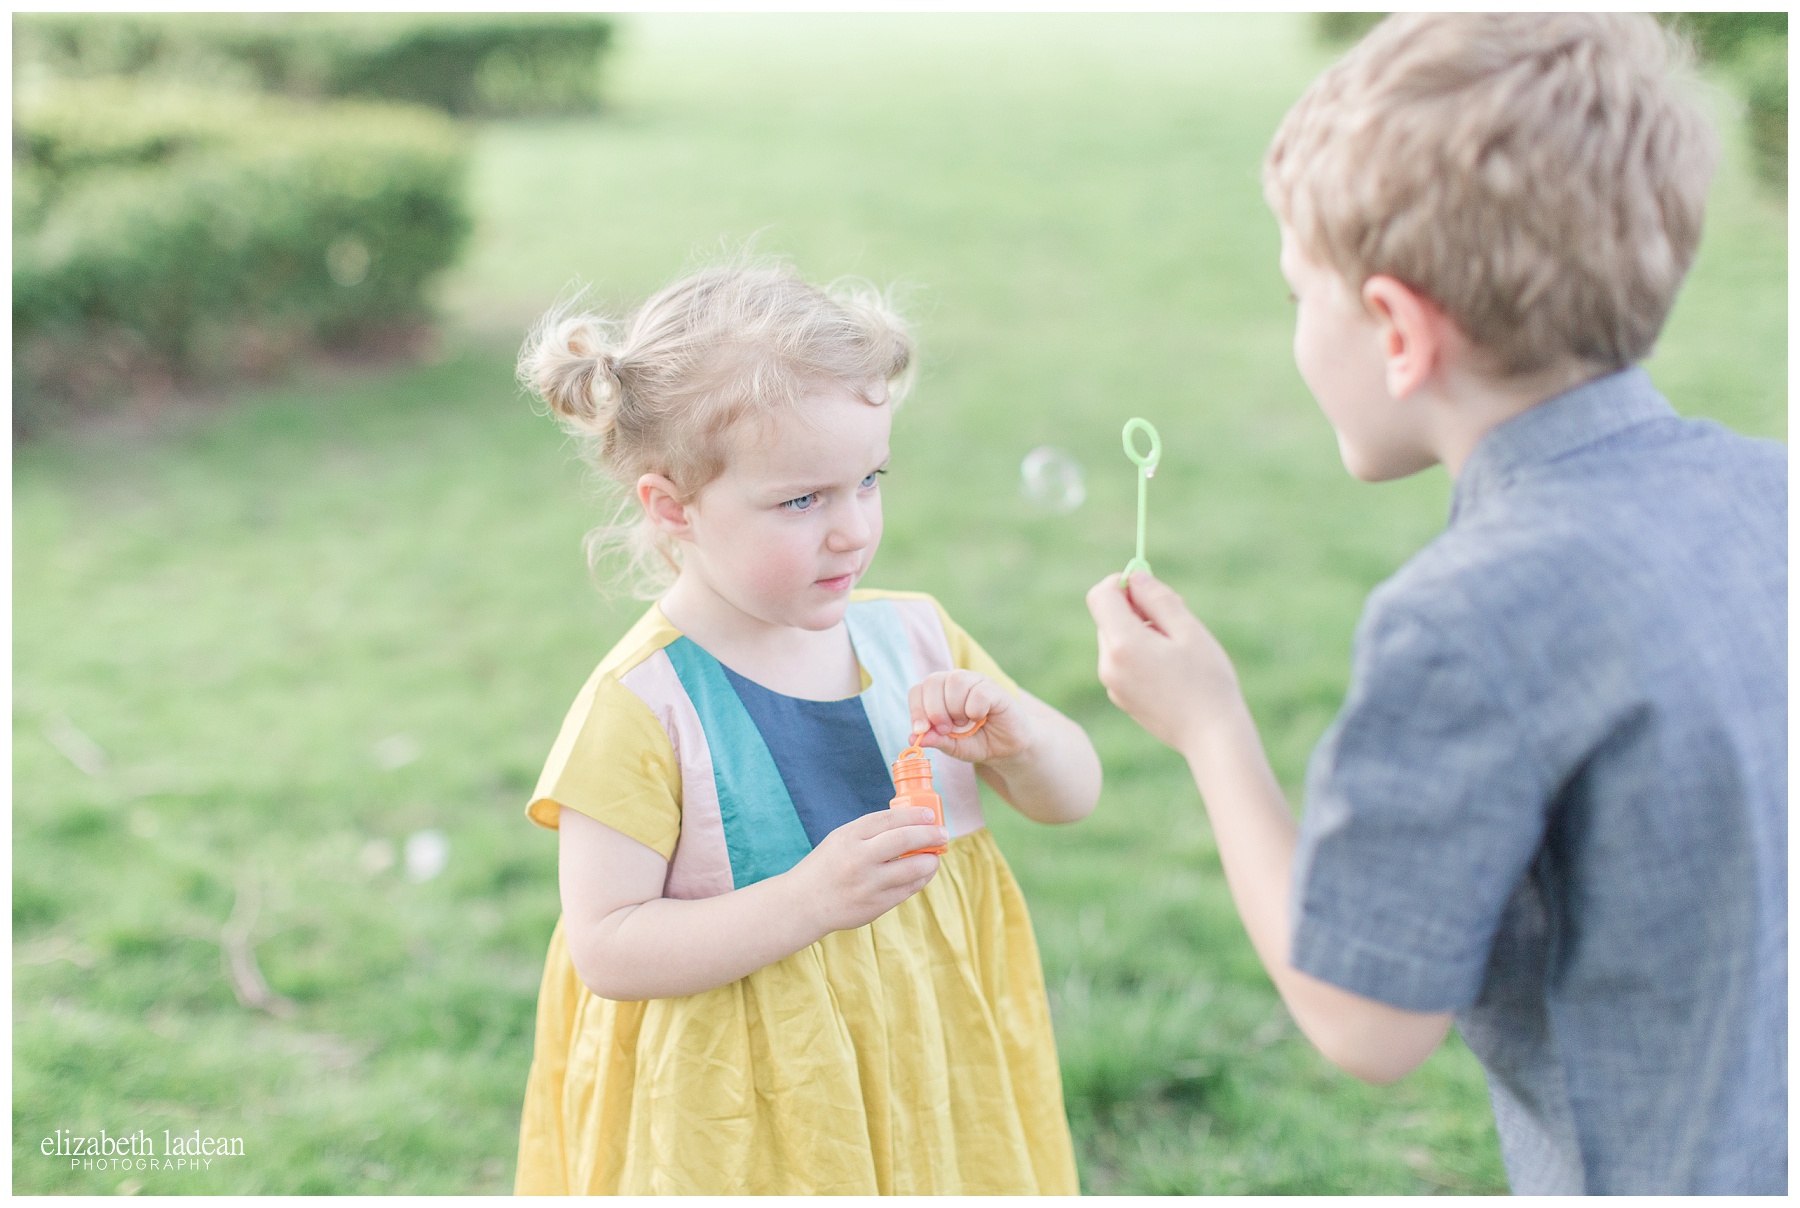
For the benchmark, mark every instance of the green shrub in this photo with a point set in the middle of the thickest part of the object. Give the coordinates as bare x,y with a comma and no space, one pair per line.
179,228
1753,46
1341,29
494,64
1720,36
1765,79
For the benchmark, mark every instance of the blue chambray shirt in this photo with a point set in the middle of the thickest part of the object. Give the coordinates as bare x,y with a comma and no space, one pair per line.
1555,800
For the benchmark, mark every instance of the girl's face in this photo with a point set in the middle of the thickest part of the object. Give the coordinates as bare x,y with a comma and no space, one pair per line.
791,525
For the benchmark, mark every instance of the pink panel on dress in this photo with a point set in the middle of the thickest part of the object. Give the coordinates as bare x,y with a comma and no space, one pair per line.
956,782
702,865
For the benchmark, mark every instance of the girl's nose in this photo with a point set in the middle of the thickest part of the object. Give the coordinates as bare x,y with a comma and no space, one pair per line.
850,530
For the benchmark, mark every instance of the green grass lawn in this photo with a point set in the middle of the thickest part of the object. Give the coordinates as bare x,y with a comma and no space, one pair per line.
238,604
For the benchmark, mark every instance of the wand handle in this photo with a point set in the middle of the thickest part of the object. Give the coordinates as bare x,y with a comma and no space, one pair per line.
1146,464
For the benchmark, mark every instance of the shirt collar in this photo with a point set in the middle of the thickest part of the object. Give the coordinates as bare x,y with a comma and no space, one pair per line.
1555,427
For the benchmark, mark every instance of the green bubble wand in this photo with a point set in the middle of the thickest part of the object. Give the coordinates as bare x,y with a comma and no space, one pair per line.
1146,464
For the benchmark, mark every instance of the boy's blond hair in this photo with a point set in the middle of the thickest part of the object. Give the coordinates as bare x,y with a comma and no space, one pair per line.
659,392
1540,176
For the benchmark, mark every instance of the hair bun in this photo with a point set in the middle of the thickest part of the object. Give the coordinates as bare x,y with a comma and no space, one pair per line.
608,369
568,364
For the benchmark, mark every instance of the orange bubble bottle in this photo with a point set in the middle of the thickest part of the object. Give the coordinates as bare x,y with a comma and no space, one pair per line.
913,786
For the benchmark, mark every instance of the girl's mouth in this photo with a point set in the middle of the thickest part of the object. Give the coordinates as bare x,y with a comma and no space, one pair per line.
841,583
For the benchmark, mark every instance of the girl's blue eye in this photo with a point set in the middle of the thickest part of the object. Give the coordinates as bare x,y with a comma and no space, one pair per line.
803,504
870,480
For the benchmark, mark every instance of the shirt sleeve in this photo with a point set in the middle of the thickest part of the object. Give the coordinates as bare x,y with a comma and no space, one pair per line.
966,654
613,761
1425,806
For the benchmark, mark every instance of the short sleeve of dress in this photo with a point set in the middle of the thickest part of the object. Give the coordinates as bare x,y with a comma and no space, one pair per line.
1425,806
966,654
613,761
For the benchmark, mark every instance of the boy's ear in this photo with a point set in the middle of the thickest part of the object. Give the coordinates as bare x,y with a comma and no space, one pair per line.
662,503
1412,330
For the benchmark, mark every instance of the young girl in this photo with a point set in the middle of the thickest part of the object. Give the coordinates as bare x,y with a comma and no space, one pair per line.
760,983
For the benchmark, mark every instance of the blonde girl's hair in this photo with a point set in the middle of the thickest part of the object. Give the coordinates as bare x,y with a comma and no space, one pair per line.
658,391
1540,176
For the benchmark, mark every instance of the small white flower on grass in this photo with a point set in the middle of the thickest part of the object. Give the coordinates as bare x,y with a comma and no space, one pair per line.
396,751
347,260
76,747
427,853
377,856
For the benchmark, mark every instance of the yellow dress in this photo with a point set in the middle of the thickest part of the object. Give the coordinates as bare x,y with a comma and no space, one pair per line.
913,1055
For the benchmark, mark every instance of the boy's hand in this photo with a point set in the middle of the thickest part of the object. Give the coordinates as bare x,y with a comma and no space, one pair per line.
855,875
1159,663
955,700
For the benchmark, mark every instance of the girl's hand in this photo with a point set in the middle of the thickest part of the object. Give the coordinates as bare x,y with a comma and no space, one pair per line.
955,700
857,873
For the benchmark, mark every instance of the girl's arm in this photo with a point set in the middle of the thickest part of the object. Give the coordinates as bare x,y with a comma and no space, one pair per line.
628,942
1038,760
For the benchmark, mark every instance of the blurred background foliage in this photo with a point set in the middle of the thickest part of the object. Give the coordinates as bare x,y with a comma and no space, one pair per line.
287,658
1751,47
488,64
158,230
195,200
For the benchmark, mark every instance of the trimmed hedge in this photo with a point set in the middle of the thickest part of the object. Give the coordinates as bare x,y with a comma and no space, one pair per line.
1720,36
495,64
1341,29
166,224
1766,89
1753,47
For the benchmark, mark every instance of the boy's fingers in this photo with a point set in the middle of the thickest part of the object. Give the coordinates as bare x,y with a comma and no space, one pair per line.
1160,604
1110,608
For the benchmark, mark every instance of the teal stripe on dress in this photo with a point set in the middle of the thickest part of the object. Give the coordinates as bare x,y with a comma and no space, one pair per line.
763,835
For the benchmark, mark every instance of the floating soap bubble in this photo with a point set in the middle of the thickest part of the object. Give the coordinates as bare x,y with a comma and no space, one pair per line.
1052,479
427,852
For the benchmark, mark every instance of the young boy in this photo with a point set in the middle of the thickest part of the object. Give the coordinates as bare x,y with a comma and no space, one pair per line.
1554,803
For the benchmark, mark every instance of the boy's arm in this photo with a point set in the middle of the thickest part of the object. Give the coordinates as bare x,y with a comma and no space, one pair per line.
1162,666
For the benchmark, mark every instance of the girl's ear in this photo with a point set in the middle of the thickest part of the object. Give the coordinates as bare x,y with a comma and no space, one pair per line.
662,504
